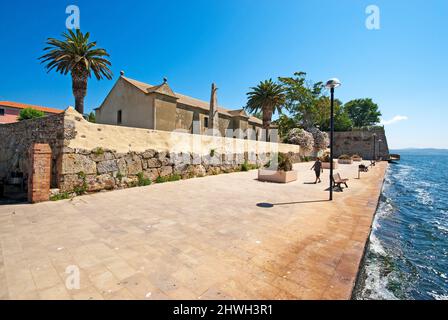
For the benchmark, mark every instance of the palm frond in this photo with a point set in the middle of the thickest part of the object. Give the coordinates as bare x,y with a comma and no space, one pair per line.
76,54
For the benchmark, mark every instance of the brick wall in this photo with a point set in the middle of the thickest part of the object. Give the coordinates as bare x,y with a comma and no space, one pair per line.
39,173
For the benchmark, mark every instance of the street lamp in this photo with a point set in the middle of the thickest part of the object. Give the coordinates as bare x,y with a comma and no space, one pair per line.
379,149
374,148
332,84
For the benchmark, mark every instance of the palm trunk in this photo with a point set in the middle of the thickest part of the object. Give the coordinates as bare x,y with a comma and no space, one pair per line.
79,87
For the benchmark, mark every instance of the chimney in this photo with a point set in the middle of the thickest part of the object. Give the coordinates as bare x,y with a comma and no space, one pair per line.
213,119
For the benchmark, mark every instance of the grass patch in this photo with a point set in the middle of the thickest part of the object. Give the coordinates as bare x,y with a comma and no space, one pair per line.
170,178
98,151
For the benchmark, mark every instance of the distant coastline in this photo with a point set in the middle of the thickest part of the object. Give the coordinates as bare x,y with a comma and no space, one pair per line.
426,151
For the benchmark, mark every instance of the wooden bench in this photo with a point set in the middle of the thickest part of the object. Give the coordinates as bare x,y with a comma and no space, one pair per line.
338,181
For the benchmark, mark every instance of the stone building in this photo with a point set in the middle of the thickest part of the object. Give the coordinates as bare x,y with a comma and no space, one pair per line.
132,103
9,111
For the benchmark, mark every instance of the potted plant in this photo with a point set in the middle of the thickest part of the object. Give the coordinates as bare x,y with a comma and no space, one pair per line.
326,161
345,159
284,172
357,158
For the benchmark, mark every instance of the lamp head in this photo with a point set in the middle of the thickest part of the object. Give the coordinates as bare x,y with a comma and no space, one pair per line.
333,83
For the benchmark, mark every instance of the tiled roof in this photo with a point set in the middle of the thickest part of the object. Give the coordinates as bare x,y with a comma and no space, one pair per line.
18,105
183,99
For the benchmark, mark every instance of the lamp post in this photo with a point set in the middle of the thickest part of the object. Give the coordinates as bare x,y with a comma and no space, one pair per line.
332,84
374,147
379,149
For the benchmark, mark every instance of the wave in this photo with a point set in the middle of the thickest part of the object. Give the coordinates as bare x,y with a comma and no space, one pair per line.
375,285
406,256
437,296
424,197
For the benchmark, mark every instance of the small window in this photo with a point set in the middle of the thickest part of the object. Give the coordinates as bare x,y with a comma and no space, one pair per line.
206,122
2,112
119,117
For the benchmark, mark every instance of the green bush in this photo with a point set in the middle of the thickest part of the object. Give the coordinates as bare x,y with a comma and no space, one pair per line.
142,181
30,113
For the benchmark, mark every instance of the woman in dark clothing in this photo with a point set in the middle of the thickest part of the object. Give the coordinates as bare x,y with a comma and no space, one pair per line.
317,169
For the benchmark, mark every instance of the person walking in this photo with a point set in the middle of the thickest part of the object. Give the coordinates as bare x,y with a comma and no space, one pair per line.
317,167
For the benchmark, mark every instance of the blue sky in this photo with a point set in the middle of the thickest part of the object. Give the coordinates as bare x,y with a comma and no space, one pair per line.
237,43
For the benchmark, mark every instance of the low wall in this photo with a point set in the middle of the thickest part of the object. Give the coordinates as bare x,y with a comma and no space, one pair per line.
361,143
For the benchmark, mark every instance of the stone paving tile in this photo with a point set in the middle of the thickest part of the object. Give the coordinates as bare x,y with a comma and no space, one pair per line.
194,239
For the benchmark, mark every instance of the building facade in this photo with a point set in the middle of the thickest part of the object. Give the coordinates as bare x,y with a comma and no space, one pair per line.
133,103
9,111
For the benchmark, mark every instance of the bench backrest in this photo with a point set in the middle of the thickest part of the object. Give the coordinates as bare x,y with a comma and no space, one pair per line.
337,177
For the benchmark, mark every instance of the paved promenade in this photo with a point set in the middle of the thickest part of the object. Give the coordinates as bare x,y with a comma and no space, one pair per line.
202,238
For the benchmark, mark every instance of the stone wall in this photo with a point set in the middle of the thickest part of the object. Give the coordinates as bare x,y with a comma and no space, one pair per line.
105,169
104,157
361,143
89,157
17,138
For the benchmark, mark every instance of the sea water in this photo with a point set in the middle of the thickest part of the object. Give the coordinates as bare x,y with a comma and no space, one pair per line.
407,257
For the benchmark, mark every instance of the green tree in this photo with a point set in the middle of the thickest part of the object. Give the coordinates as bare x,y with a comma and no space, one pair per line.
285,124
303,99
30,113
268,97
363,112
91,117
76,55
342,121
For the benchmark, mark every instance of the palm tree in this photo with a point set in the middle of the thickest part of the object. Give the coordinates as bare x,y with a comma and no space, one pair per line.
268,97
75,54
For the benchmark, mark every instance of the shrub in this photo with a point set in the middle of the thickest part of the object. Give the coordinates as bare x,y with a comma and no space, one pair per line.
356,156
321,139
325,157
142,181
301,138
345,157
306,159
212,153
30,113
247,166
82,189
60,196
284,162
